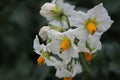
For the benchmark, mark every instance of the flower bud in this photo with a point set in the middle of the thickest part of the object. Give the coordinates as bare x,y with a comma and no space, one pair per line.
46,9
51,11
43,32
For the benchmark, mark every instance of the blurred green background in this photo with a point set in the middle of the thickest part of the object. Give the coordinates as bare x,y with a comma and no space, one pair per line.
20,21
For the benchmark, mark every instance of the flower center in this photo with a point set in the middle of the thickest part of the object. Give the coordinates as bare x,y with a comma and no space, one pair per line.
67,78
65,44
91,27
88,56
40,60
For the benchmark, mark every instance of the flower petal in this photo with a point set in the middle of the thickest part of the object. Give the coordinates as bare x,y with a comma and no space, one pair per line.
61,24
82,46
81,33
52,61
97,12
54,47
78,18
104,25
77,69
36,45
52,34
94,42
60,73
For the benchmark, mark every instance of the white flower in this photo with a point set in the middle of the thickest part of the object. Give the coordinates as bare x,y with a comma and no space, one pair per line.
96,20
87,43
62,44
44,55
43,32
90,45
68,70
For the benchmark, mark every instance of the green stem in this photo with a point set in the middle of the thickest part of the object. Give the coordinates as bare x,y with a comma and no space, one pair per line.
67,20
61,22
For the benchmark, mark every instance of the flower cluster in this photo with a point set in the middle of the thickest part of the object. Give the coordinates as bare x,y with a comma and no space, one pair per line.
68,34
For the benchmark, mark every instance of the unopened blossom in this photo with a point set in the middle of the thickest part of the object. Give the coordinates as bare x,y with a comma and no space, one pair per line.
43,32
62,44
46,10
51,11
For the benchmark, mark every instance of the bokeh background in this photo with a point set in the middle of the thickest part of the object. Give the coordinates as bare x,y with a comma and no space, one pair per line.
20,21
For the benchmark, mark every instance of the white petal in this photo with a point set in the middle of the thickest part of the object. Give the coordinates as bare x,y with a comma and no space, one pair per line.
78,18
61,73
76,50
59,2
52,62
36,45
104,25
52,34
43,32
97,12
70,34
75,22
98,47
69,54
94,43
77,69
61,24
81,33
54,47
65,56
67,8
73,51
82,46
43,47
53,1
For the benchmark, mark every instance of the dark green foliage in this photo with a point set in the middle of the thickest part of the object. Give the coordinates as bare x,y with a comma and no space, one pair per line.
20,21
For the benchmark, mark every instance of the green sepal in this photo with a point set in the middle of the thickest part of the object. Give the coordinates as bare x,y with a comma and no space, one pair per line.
48,40
45,54
88,46
76,41
58,13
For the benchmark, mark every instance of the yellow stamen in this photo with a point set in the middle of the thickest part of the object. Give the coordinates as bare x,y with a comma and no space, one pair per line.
65,44
67,78
91,26
40,60
88,56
